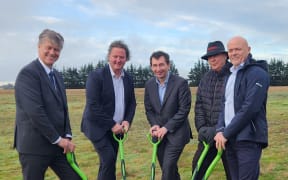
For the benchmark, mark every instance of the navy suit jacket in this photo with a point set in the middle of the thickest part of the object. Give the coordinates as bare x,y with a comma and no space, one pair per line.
41,111
174,111
100,103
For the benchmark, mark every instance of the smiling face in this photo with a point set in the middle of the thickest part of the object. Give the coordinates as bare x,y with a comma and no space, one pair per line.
160,68
238,50
48,52
117,59
217,61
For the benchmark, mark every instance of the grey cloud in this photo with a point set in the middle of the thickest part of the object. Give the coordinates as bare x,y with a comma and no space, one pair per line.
182,28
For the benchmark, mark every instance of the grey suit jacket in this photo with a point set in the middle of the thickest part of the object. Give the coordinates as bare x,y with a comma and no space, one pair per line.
41,111
173,114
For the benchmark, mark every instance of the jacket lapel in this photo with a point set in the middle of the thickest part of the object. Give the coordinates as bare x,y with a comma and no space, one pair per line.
169,88
155,94
108,81
47,80
60,92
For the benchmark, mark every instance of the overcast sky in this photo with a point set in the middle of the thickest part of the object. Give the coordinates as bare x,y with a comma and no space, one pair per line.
182,28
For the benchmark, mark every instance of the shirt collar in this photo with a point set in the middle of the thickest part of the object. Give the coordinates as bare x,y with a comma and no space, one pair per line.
113,74
235,69
46,68
166,79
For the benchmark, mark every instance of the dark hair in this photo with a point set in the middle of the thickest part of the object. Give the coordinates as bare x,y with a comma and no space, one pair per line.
158,54
119,44
53,36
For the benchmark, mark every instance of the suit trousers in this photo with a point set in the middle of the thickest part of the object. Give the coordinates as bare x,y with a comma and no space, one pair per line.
243,159
35,166
211,154
107,149
168,155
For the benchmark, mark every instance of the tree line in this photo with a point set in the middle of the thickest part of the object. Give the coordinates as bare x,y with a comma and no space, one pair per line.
75,78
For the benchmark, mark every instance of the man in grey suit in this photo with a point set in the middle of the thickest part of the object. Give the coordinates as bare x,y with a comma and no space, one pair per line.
167,103
42,131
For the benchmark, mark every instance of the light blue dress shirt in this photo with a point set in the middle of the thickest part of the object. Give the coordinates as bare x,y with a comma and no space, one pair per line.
229,94
119,96
162,88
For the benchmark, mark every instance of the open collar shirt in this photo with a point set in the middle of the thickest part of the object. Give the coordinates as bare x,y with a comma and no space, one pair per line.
229,94
162,87
119,96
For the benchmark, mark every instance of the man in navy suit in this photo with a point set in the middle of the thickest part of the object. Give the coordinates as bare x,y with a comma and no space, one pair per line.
110,107
42,132
167,103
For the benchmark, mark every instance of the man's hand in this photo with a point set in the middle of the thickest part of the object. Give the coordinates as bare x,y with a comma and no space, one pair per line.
67,145
207,134
153,130
220,141
117,129
162,132
125,125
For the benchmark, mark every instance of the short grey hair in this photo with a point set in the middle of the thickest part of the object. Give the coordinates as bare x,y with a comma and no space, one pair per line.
119,44
53,36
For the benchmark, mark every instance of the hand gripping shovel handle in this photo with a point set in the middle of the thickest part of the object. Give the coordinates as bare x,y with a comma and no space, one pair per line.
213,164
120,141
155,142
70,156
200,160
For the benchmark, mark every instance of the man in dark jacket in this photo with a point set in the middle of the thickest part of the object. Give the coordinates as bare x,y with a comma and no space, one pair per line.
242,127
208,104
43,133
167,103
110,107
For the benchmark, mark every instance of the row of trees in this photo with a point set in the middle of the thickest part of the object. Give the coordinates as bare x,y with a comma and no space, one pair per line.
76,78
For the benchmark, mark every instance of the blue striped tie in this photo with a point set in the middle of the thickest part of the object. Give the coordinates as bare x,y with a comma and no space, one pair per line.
52,79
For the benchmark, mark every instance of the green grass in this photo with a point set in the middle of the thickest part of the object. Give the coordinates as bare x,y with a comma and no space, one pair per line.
274,161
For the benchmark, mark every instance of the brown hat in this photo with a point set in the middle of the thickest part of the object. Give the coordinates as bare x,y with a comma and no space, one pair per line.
214,48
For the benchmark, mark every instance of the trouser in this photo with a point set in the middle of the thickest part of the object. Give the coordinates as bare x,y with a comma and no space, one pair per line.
107,149
211,154
243,159
168,156
35,166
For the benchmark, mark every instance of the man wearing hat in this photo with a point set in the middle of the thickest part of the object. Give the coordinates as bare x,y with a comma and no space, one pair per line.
208,104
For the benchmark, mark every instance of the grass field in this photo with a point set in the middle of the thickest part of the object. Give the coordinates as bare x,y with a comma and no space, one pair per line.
274,162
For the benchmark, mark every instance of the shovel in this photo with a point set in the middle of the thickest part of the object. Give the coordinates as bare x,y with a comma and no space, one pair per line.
70,156
155,142
120,139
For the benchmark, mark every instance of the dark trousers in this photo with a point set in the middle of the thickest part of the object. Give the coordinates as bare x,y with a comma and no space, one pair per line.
211,154
107,149
243,159
35,166
168,156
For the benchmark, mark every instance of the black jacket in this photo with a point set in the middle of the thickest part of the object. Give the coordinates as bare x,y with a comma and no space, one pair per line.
208,102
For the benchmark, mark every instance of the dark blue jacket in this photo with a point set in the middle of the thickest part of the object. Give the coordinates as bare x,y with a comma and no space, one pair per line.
250,98
100,103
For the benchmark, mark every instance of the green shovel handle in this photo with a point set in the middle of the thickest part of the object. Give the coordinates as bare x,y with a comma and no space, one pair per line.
120,141
150,138
213,164
155,142
70,156
200,160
